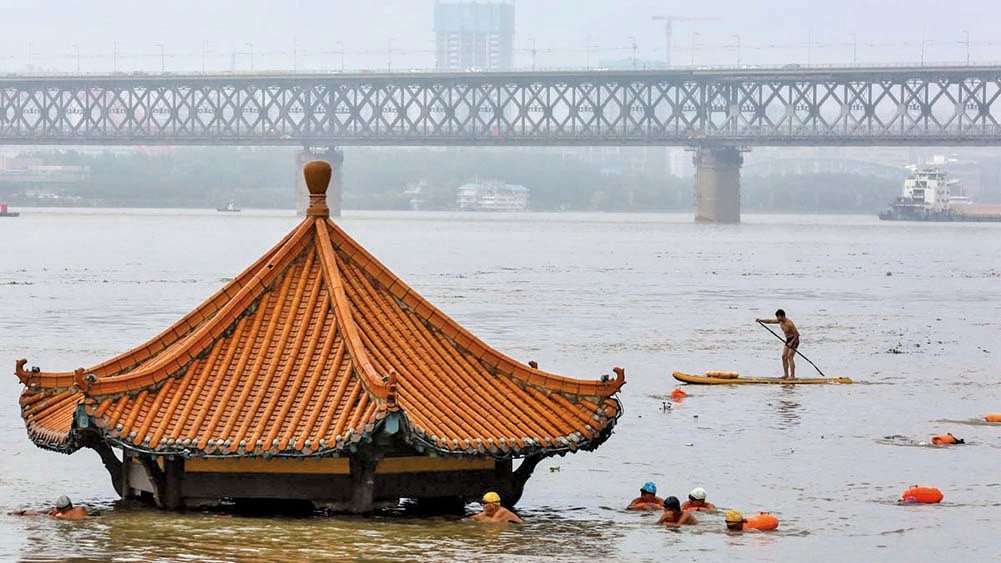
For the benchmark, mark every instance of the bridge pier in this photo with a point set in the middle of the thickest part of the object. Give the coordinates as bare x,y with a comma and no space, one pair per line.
335,157
717,183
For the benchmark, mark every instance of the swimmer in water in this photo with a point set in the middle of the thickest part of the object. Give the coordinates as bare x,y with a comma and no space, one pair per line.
648,499
674,516
62,510
494,512
697,501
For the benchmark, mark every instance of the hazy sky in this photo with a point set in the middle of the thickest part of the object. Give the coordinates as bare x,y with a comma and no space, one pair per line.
376,34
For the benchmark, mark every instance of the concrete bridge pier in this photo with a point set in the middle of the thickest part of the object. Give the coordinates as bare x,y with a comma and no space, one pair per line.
717,183
335,157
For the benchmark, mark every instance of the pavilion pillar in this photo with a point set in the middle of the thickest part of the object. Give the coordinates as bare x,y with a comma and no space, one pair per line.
125,479
717,184
173,472
335,157
362,466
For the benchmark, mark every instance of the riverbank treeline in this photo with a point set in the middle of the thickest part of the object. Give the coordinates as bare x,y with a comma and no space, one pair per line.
379,178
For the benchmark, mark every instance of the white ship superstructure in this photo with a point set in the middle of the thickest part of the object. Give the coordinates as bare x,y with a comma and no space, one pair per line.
928,188
492,196
927,195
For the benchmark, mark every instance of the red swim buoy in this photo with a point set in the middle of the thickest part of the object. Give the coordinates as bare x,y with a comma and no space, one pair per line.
678,393
924,495
761,521
993,417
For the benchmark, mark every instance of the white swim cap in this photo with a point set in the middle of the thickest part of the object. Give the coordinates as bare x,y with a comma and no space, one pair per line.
698,493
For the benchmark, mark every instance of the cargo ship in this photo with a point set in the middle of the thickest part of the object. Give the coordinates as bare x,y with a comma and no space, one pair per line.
492,196
927,196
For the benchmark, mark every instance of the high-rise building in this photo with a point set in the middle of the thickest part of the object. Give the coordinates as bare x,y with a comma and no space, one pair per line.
474,35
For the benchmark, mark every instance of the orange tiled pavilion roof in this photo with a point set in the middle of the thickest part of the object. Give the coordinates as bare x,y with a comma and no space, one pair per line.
306,353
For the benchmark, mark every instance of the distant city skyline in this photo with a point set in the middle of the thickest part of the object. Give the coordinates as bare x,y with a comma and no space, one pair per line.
100,36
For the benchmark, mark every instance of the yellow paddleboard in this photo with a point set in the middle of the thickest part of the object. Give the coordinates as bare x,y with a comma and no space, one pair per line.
733,380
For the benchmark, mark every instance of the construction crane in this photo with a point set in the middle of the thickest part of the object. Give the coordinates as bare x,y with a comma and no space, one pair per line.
669,24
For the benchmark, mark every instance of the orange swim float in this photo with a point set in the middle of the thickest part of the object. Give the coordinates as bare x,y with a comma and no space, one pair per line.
924,495
993,417
761,521
678,393
947,438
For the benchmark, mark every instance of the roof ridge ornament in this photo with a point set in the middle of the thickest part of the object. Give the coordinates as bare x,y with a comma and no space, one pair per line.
391,385
317,174
620,379
21,374
83,380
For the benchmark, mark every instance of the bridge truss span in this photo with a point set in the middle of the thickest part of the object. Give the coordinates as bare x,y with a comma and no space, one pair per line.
748,107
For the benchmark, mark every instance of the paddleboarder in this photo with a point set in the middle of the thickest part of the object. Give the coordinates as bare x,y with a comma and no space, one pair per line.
791,343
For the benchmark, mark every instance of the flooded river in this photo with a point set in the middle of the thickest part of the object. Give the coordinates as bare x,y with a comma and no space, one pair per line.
911,311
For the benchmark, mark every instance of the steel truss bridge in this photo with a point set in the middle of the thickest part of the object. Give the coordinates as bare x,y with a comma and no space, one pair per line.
737,107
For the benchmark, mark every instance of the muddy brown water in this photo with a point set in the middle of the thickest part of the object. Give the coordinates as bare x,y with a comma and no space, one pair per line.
912,311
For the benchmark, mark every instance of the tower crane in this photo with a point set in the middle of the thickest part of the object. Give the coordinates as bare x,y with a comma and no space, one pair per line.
668,29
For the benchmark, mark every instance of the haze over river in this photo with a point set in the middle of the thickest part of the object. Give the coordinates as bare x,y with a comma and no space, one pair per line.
911,311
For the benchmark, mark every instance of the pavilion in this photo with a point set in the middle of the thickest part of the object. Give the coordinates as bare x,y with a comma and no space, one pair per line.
317,375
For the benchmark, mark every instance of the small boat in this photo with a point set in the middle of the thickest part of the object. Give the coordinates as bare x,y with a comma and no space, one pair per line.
5,213
230,208
729,378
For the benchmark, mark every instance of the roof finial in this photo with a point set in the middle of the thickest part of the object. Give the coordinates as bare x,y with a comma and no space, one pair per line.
317,173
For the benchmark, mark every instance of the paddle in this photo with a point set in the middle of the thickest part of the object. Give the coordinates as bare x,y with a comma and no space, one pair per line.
794,350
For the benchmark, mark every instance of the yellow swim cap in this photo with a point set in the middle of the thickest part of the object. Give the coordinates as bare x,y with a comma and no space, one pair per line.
734,516
491,497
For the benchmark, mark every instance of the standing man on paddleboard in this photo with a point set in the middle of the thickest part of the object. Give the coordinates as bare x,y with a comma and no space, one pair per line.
792,342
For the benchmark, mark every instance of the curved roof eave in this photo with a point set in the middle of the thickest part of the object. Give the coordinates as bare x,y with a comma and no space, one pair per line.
411,436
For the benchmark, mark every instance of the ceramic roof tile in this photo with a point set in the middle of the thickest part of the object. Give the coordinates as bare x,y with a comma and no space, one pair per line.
304,353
